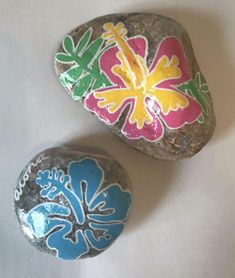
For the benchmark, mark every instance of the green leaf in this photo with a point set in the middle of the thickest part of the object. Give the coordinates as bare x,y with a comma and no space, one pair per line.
98,84
204,88
198,79
106,81
183,87
201,119
68,44
101,79
192,89
101,82
96,65
82,86
92,50
207,98
71,76
64,58
199,98
83,42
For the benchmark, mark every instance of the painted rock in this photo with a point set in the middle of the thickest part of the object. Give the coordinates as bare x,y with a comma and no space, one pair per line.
137,73
72,204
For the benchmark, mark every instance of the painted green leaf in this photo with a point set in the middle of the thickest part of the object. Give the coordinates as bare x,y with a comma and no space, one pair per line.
102,80
205,88
97,84
201,119
82,86
92,50
70,77
64,58
191,87
106,81
83,42
68,44
183,87
197,80
199,98
207,98
85,73
96,65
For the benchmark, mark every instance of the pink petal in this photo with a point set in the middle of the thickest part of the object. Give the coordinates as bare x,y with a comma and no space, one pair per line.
174,119
188,115
109,58
172,46
152,132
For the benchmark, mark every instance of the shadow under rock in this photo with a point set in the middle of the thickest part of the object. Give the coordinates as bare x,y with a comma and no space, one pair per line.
210,40
151,179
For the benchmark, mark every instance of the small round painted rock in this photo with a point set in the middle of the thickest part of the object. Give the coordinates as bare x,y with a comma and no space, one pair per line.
72,204
138,74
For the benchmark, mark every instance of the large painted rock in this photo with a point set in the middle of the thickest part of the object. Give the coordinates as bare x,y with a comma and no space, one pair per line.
72,204
137,73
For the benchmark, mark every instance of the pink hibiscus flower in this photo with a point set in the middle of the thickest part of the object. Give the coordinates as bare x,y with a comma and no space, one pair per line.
150,93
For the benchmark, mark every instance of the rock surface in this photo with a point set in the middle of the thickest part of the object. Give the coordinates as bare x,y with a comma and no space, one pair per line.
72,204
138,74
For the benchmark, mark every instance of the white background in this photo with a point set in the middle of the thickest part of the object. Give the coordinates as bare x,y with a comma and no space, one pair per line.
182,223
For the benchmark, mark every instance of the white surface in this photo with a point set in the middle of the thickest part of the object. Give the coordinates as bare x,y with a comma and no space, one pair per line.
182,223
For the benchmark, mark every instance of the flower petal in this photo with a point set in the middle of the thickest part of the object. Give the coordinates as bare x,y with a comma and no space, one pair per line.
171,49
114,201
151,132
86,170
171,46
110,233
109,58
188,115
39,217
91,103
65,248
45,220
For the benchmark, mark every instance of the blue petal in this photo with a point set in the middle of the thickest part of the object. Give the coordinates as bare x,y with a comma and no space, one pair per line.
111,232
39,220
88,171
65,248
112,198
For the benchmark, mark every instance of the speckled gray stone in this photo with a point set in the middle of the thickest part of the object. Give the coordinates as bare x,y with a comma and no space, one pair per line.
89,67
72,204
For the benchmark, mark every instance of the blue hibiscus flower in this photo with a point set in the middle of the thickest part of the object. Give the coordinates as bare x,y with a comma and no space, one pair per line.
99,213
